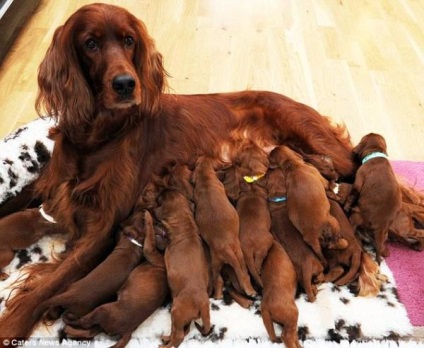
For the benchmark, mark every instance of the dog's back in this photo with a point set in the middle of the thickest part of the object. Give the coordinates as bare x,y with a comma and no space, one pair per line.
214,215
380,196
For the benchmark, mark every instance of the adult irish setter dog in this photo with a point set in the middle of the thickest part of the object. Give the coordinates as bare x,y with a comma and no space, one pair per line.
102,80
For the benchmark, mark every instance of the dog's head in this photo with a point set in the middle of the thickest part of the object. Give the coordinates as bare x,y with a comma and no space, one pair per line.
371,142
102,58
252,160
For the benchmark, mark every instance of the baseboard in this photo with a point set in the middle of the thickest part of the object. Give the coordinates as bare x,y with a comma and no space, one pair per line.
13,16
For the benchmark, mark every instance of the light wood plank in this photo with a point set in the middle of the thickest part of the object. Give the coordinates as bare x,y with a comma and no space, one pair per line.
360,62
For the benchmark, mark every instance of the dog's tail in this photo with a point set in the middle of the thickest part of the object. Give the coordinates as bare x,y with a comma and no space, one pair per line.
149,249
250,263
355,264
370,278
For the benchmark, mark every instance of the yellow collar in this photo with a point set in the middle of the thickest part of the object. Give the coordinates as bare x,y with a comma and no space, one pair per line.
252,178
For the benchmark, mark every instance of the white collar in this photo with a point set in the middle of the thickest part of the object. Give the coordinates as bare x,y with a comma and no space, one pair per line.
374,155
46,216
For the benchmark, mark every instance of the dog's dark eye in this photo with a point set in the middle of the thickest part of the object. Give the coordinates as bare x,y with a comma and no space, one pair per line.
129,41
91,44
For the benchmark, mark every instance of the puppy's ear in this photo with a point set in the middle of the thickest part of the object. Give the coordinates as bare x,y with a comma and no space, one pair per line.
220,174
193,178
192,206
273,158
357,150
231,183
272,163
297,154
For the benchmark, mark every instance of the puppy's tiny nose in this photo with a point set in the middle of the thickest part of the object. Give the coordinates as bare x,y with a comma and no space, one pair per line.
123,85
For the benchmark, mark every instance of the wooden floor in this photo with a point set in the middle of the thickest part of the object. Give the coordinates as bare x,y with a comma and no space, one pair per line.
359,61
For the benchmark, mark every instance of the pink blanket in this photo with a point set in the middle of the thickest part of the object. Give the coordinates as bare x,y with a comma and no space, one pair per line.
408,265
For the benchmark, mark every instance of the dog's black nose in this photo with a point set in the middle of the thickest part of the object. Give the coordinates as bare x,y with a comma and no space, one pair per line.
123,85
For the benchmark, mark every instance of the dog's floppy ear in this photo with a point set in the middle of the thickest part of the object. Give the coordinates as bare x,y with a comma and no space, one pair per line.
149,64
358,149
273,163
64,93
231,181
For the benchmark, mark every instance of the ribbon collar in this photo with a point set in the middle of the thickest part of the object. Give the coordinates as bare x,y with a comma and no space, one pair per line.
252,178
374,155
46,216
277,199
132,240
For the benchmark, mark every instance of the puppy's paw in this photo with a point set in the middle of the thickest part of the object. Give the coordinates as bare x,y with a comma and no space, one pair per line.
165,339
3,276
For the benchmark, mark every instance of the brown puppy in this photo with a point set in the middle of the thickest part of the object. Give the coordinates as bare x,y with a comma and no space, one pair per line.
324,164
401,230
219,225
349,258
112,136
251,165
102,283
279,290
307,203
308,268
376,190
186,265
19,231
144,291
403,227
342,192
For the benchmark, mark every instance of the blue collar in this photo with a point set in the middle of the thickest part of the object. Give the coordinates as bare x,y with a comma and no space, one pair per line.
374,155
277,199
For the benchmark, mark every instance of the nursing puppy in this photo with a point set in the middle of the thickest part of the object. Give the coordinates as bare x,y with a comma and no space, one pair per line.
307,203
279,290
219,225
349,258
403,227
324,164
186,265
308,268
102,283
144,291
375,191
250,165
19,231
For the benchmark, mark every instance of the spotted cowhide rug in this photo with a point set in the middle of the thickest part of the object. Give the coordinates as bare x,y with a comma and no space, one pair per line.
338,315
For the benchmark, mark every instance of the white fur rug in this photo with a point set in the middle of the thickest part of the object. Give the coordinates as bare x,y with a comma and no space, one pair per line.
335,319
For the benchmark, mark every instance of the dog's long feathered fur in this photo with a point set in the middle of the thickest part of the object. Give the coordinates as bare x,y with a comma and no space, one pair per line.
108,141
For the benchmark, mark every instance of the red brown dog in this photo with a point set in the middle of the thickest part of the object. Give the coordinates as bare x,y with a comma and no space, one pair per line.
349,258
308,268
279,290
144,291
219,226
102,283
186,266
307,203
376,190
403,228
20,230
251,165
